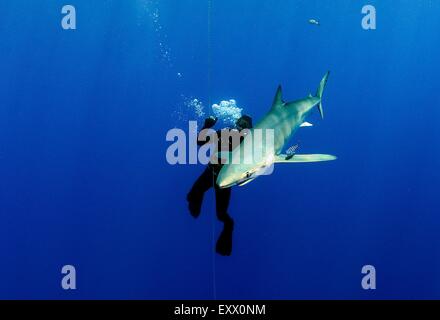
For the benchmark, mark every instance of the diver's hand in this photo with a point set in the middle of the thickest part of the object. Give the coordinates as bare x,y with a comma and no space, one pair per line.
210,122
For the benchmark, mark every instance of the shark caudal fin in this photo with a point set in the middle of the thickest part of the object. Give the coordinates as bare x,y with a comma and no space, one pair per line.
320,92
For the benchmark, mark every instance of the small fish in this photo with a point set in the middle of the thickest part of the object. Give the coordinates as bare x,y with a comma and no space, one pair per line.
291,151
314,21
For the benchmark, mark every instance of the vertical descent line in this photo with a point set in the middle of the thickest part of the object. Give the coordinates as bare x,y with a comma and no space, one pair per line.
209,51
214,279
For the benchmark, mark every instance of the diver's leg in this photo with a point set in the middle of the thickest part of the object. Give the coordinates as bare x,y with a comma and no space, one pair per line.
224,242
195,196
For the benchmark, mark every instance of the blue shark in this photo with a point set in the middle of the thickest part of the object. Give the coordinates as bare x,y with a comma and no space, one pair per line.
283,120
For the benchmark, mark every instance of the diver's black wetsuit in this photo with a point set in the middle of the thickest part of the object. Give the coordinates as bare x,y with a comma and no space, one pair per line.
203,184
222,196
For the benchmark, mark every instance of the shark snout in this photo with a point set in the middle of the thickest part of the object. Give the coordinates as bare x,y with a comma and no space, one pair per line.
226,178
224,181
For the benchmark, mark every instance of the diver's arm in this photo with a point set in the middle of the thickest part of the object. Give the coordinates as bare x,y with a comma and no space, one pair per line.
209,123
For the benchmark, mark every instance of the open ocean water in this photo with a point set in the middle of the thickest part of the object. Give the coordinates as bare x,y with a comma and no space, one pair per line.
84,179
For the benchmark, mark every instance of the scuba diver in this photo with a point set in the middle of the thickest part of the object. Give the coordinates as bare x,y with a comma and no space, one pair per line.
209,176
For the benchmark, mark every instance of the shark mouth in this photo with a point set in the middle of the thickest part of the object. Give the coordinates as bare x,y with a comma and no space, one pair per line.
248,178
251,175
245,181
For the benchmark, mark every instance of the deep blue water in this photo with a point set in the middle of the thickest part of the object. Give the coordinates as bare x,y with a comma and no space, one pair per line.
83,174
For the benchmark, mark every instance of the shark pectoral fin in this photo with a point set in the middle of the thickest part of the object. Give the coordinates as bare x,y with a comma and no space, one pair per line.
301,158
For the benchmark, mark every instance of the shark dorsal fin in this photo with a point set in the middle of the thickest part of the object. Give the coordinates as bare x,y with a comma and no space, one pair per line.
278,100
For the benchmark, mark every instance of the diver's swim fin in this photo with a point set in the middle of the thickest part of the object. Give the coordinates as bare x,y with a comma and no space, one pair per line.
224,243
300,158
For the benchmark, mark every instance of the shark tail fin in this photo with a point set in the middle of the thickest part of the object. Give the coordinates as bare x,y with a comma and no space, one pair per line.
320,91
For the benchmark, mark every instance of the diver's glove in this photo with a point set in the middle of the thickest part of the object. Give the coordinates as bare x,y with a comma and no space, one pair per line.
210,122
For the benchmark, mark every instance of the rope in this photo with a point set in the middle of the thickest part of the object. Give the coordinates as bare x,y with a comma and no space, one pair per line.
214,278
